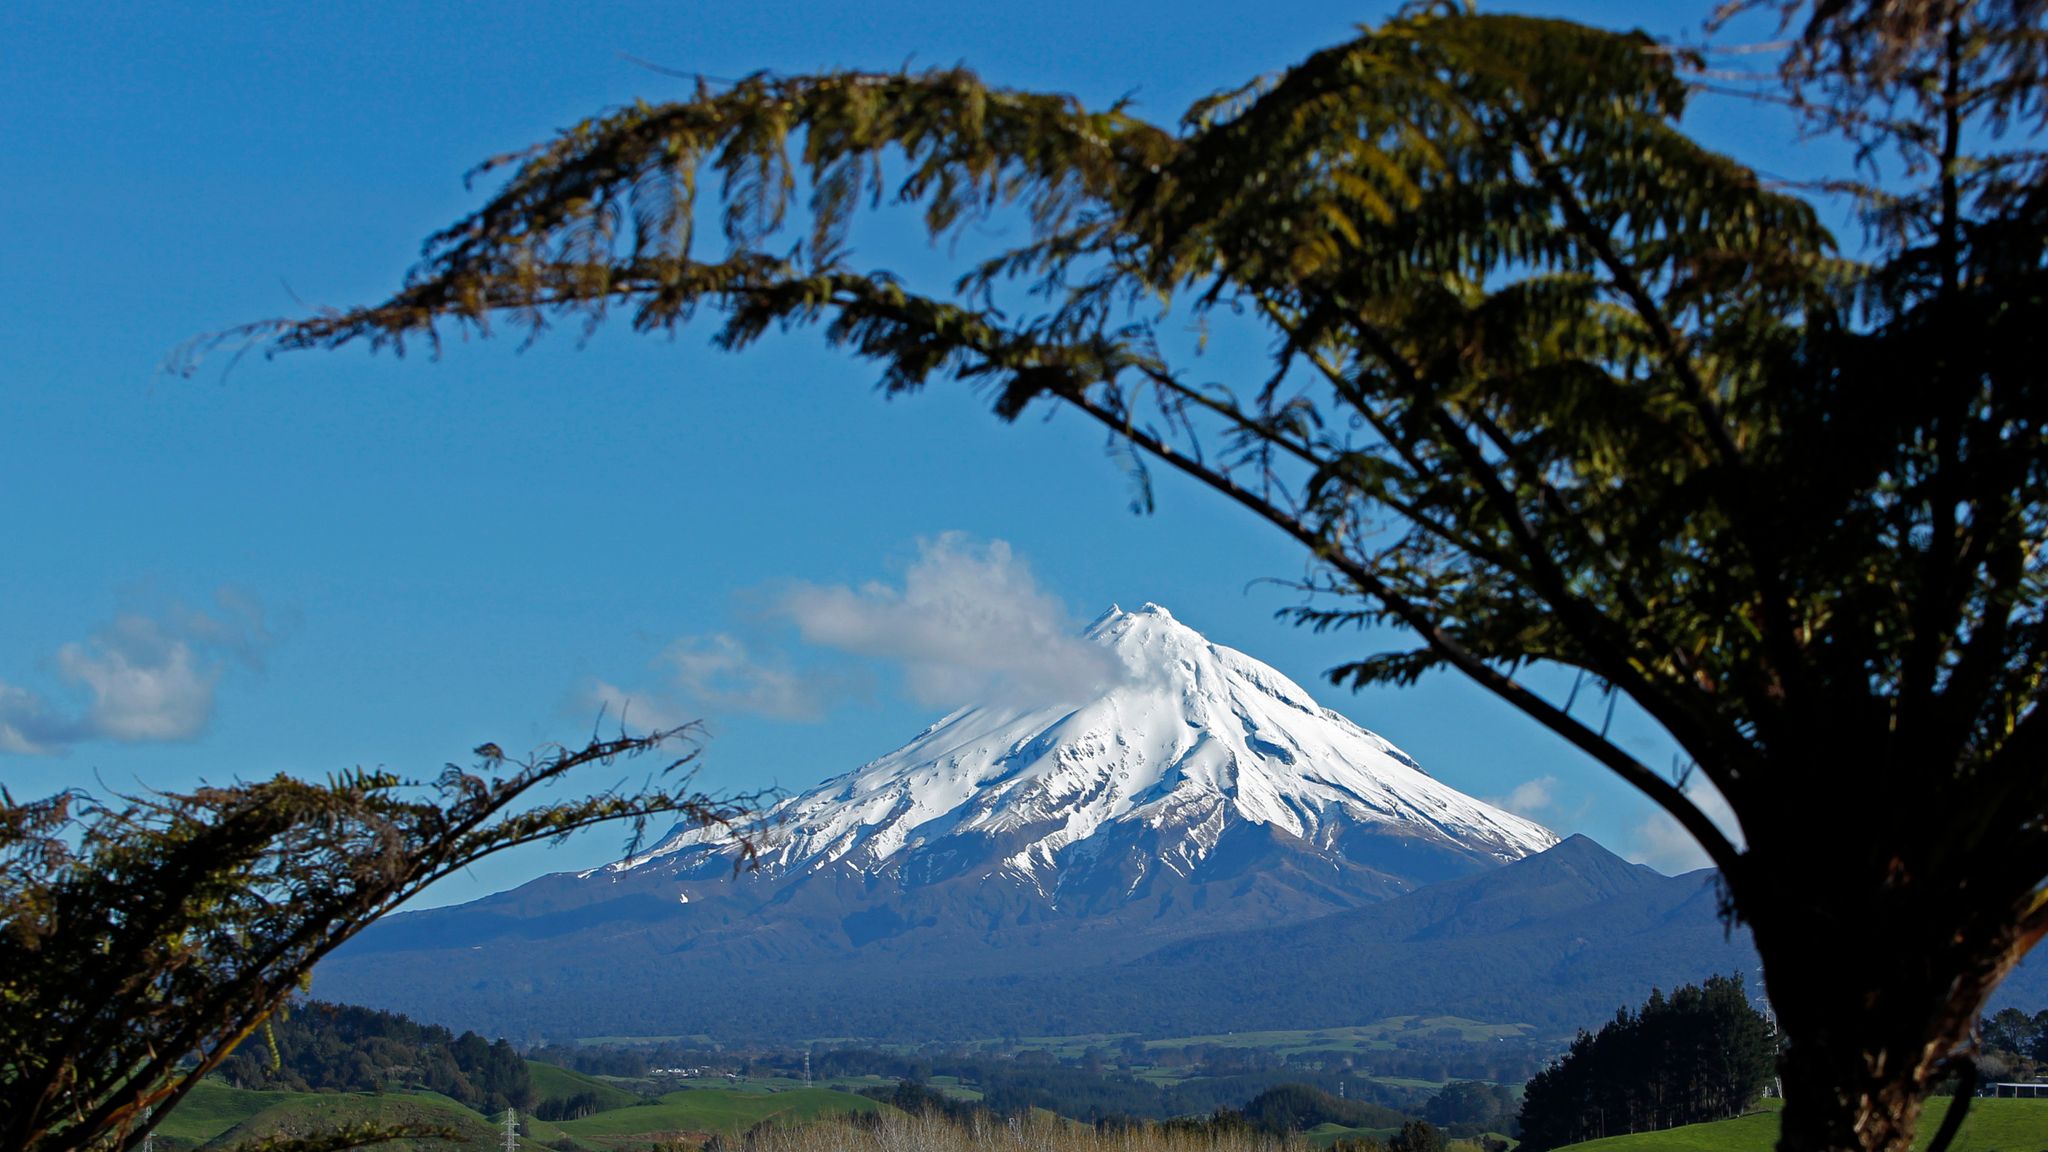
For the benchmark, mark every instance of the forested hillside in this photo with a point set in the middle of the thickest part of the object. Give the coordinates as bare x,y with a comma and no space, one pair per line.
353,1049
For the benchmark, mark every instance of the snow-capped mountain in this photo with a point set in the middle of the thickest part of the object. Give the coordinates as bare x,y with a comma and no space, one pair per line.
1191,743
1008,867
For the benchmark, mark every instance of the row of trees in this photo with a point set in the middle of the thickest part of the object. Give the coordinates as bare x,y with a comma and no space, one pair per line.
1703,1053
1091,1091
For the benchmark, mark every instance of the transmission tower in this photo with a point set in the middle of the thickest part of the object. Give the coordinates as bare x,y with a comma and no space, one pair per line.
511,1130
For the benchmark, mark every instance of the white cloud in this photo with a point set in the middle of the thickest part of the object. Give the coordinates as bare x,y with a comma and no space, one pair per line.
1530,798
1664,844
616,706
719,673
148,678
969,624
28,726
146,685
711,676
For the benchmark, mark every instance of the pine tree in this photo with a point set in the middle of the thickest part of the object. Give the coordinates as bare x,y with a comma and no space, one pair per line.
1703,1053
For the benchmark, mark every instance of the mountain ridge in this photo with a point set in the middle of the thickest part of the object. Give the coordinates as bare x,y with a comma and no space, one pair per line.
1194,845
1558,943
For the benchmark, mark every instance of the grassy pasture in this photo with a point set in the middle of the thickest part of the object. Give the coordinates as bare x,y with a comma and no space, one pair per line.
551,1083
1992,1126
305,1113
715,1110
213,1108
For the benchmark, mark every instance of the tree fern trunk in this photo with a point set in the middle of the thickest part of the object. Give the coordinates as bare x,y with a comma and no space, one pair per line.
1870,1023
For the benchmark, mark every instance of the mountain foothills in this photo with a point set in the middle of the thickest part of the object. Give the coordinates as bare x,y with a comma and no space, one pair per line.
1195,845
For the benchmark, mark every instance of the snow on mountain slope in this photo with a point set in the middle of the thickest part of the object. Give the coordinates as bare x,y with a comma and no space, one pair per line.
1195,740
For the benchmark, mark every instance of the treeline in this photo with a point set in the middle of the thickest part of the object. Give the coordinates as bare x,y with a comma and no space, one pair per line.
1464,1110
1472,1107
628,1061
2014,1038
1286,1110
1097,1084
1077,1093
1702,1054
1088,1091
315,1045
1281,1113
2014,1046
574,1107
1266,1103
1208,1061
1300,1107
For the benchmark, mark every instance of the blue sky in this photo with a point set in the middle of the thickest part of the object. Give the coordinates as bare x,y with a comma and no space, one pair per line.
328,560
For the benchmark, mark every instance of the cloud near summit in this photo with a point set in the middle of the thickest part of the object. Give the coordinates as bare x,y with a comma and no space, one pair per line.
968,625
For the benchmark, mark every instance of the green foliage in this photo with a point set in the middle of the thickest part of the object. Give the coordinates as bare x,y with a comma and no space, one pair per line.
2013,1047
143,938
1703,1054
2014,1033
1299,1107
1417,1136
346,1048
1473,1107
914,1098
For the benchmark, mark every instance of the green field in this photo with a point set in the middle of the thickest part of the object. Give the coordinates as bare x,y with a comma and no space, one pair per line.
954,1089
304,1113
215,1114
1324,1135
1992,1126
551,1083
716,1110
213,1108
